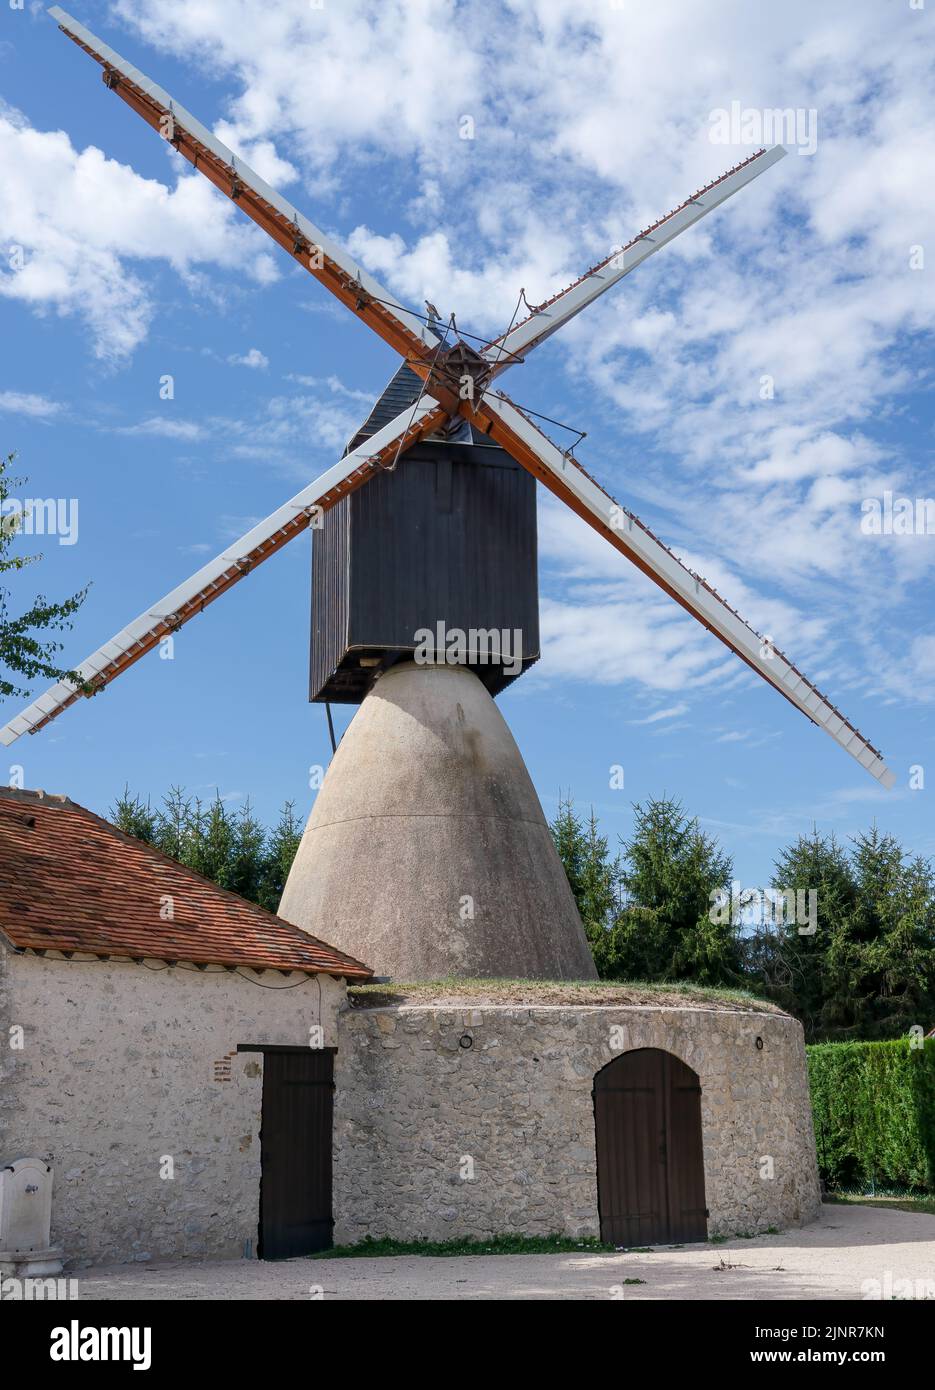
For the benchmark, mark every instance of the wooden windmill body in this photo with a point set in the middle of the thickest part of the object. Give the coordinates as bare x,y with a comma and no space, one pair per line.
442,542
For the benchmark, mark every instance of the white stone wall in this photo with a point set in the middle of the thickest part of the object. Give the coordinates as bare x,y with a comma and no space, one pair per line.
122,1065
411,1106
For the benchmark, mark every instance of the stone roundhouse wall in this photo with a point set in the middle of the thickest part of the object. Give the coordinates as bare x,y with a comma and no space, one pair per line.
121,1065
412,1106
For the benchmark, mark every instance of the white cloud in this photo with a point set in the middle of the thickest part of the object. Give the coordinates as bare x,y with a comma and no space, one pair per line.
165,428
335,386
261,155
911,674
392,74
78,227
613,642
325,414
254,359
330,422
482,290
591,571
25,403
672,712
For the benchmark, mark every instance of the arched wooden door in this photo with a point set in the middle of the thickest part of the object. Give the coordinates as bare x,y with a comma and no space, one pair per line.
650,1166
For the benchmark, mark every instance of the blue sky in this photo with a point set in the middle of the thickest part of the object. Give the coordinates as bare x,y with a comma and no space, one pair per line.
589,121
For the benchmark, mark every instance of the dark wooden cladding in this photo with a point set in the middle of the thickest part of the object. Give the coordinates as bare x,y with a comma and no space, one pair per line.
295,1153
650,1164
330,596
448,536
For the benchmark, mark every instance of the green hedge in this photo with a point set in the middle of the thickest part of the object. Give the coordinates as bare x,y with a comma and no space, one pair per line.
874,1110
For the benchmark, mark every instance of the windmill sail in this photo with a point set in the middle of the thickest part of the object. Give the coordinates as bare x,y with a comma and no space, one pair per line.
547,318
318,253
222,573
514,430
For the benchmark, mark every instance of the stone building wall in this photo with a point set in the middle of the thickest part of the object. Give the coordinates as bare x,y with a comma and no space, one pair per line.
416,1113
124,1064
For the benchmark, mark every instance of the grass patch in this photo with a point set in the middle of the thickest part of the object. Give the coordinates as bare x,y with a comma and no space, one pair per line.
924,1202
498,1245
744,1235
452,991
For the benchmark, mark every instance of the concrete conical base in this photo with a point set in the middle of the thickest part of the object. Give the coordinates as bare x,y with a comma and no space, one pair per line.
427,854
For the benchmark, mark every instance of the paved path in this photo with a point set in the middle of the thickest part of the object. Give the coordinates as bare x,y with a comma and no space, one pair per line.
829,1259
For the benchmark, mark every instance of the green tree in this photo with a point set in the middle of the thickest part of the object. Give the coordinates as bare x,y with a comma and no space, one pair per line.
133,817
880,960
248,854
281,847
232,848
568,834
22,653
868,971
647,914
672,874
593,876
789,964
212,838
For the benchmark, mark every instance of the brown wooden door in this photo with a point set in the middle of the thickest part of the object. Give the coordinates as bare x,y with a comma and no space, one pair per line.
650,1168
295,1153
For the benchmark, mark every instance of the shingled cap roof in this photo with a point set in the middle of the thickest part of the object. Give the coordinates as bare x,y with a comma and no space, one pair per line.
70,881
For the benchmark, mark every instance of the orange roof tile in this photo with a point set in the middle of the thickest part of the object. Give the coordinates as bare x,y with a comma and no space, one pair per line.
70,881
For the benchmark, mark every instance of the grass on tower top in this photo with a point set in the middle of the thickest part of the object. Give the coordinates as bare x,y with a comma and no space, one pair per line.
545,993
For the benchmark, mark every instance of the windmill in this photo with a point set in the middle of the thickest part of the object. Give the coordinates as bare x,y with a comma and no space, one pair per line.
427,525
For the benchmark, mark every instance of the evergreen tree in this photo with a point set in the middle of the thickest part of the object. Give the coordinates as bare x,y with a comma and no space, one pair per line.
133,817
669,873
881,957
789,963
281,849
568,834
22,653
600,880
175,825
594,879
212,839
868,972
233,849
248,854
672,875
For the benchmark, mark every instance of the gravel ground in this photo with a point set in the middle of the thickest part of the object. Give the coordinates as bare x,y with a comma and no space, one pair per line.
829,1259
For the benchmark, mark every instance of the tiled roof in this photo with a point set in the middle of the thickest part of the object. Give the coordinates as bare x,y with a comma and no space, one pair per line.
70,881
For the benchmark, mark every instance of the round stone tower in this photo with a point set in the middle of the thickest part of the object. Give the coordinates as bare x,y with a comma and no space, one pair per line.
427,853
